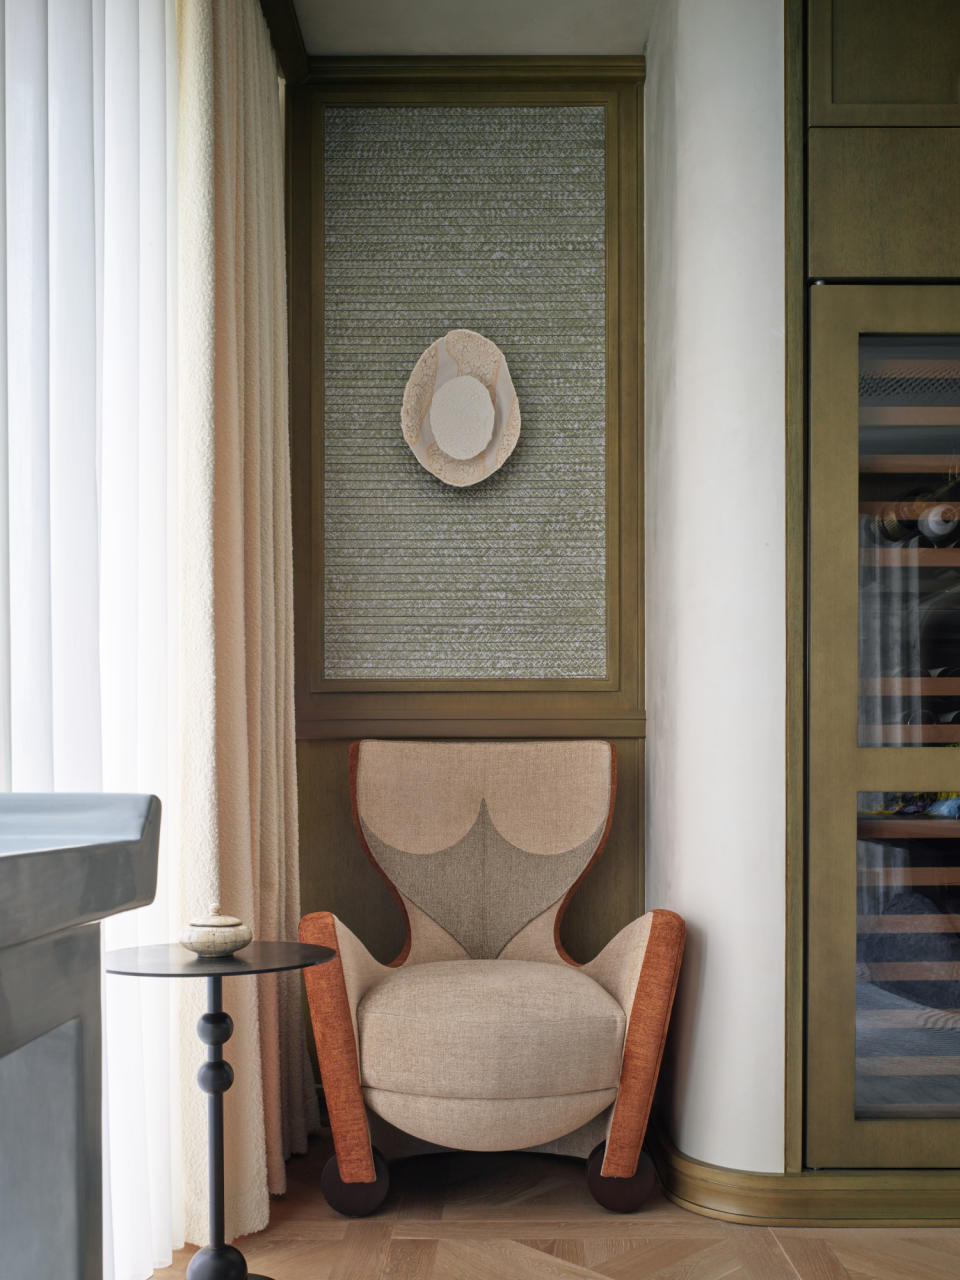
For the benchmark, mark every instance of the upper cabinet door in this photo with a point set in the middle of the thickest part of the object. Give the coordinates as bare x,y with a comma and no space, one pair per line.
885,62
883,1046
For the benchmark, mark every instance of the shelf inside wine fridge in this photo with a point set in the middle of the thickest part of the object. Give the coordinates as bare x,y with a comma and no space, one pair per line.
912,686
913,464
906,557
894,827
914,735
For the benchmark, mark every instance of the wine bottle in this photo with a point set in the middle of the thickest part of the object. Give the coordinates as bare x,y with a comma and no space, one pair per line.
938,523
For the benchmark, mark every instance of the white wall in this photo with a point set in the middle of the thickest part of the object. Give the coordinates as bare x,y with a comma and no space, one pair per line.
715,560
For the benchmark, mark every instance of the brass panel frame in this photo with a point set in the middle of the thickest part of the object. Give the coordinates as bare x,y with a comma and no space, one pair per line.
500,708
838,767
811,1198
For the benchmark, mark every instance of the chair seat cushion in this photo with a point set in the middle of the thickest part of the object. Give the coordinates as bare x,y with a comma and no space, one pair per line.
489,1029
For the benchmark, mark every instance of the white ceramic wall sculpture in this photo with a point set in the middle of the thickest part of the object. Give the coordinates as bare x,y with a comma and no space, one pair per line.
460,415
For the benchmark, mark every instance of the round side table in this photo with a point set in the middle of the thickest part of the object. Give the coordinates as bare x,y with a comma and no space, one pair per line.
217,1260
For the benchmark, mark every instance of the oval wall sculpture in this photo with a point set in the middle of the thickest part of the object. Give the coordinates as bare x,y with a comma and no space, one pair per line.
444,416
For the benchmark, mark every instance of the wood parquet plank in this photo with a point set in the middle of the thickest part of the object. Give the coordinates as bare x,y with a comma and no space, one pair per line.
502,1260
520,1217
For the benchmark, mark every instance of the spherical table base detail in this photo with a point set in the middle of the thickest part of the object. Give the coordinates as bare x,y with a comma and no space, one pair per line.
620,1195
223,1263
355,1199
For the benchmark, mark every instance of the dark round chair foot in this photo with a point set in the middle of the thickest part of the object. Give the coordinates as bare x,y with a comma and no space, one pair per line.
355,1199
620,1195
223,1263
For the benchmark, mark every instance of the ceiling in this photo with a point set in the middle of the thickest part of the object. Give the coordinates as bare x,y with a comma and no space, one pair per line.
471,27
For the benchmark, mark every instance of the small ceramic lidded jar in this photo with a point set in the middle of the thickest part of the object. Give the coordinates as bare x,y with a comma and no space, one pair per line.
215,934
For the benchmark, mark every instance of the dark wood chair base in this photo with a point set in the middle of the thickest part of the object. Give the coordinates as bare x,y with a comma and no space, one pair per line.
355,1199
620,1195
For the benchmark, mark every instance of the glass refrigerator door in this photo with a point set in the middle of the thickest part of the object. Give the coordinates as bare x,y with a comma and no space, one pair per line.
883,959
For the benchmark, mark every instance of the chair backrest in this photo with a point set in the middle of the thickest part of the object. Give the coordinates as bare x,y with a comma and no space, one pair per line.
482,843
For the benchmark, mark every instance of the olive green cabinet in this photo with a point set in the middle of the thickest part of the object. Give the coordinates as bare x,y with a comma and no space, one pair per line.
884,62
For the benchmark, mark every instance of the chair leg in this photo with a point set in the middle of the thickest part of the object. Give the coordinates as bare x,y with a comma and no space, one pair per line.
620,1195
355,1199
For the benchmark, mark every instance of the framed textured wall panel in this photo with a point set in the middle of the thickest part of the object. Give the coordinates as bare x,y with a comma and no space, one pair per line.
444,217
509,205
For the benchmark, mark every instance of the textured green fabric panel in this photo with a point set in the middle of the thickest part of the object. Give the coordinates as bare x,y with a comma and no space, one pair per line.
484,218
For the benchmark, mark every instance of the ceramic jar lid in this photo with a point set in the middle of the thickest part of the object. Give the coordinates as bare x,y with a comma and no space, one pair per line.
216,934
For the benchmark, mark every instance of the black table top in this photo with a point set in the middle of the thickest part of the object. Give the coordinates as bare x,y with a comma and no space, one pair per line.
171,960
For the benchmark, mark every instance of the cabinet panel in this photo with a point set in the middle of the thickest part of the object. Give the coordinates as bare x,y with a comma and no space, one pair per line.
884,202
884,830
885,62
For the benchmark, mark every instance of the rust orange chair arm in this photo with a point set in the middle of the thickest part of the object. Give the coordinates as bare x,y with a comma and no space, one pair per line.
640,968
334,991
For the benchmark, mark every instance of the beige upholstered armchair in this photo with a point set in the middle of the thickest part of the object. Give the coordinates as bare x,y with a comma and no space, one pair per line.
483,1034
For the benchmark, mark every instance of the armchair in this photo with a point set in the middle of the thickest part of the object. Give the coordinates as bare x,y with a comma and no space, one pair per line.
483,1034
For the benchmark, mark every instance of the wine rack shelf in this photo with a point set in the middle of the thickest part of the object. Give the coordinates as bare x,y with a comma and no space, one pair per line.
927,1064
905,510
924,1019
909,734
897,415
906,686
923,557
894,828
900,877
908,924
911,464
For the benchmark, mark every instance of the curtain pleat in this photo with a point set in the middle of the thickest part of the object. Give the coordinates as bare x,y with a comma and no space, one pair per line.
237,592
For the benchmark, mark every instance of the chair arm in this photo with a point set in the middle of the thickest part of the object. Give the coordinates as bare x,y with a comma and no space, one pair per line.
334,992
639,967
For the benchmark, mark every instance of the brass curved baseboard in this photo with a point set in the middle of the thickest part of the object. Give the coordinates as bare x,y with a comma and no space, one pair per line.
838,1197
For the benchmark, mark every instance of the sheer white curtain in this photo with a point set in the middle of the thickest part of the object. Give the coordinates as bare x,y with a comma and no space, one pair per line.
88,554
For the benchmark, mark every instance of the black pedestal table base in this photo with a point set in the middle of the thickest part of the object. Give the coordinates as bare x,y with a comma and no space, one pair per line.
217,1260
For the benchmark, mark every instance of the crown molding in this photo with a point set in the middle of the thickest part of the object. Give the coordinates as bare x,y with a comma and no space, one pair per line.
480,70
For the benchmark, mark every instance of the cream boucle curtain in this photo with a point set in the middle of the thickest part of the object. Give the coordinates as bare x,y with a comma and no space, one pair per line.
239,807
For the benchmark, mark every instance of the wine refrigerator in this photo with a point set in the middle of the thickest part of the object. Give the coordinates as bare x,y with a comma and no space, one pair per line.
883,767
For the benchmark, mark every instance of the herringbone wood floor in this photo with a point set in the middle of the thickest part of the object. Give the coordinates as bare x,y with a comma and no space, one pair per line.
524,1217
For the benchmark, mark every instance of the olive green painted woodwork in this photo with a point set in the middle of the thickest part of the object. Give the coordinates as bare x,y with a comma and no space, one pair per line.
609,707
884,203
840,1197
336,875
838,768
795,340
884,62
